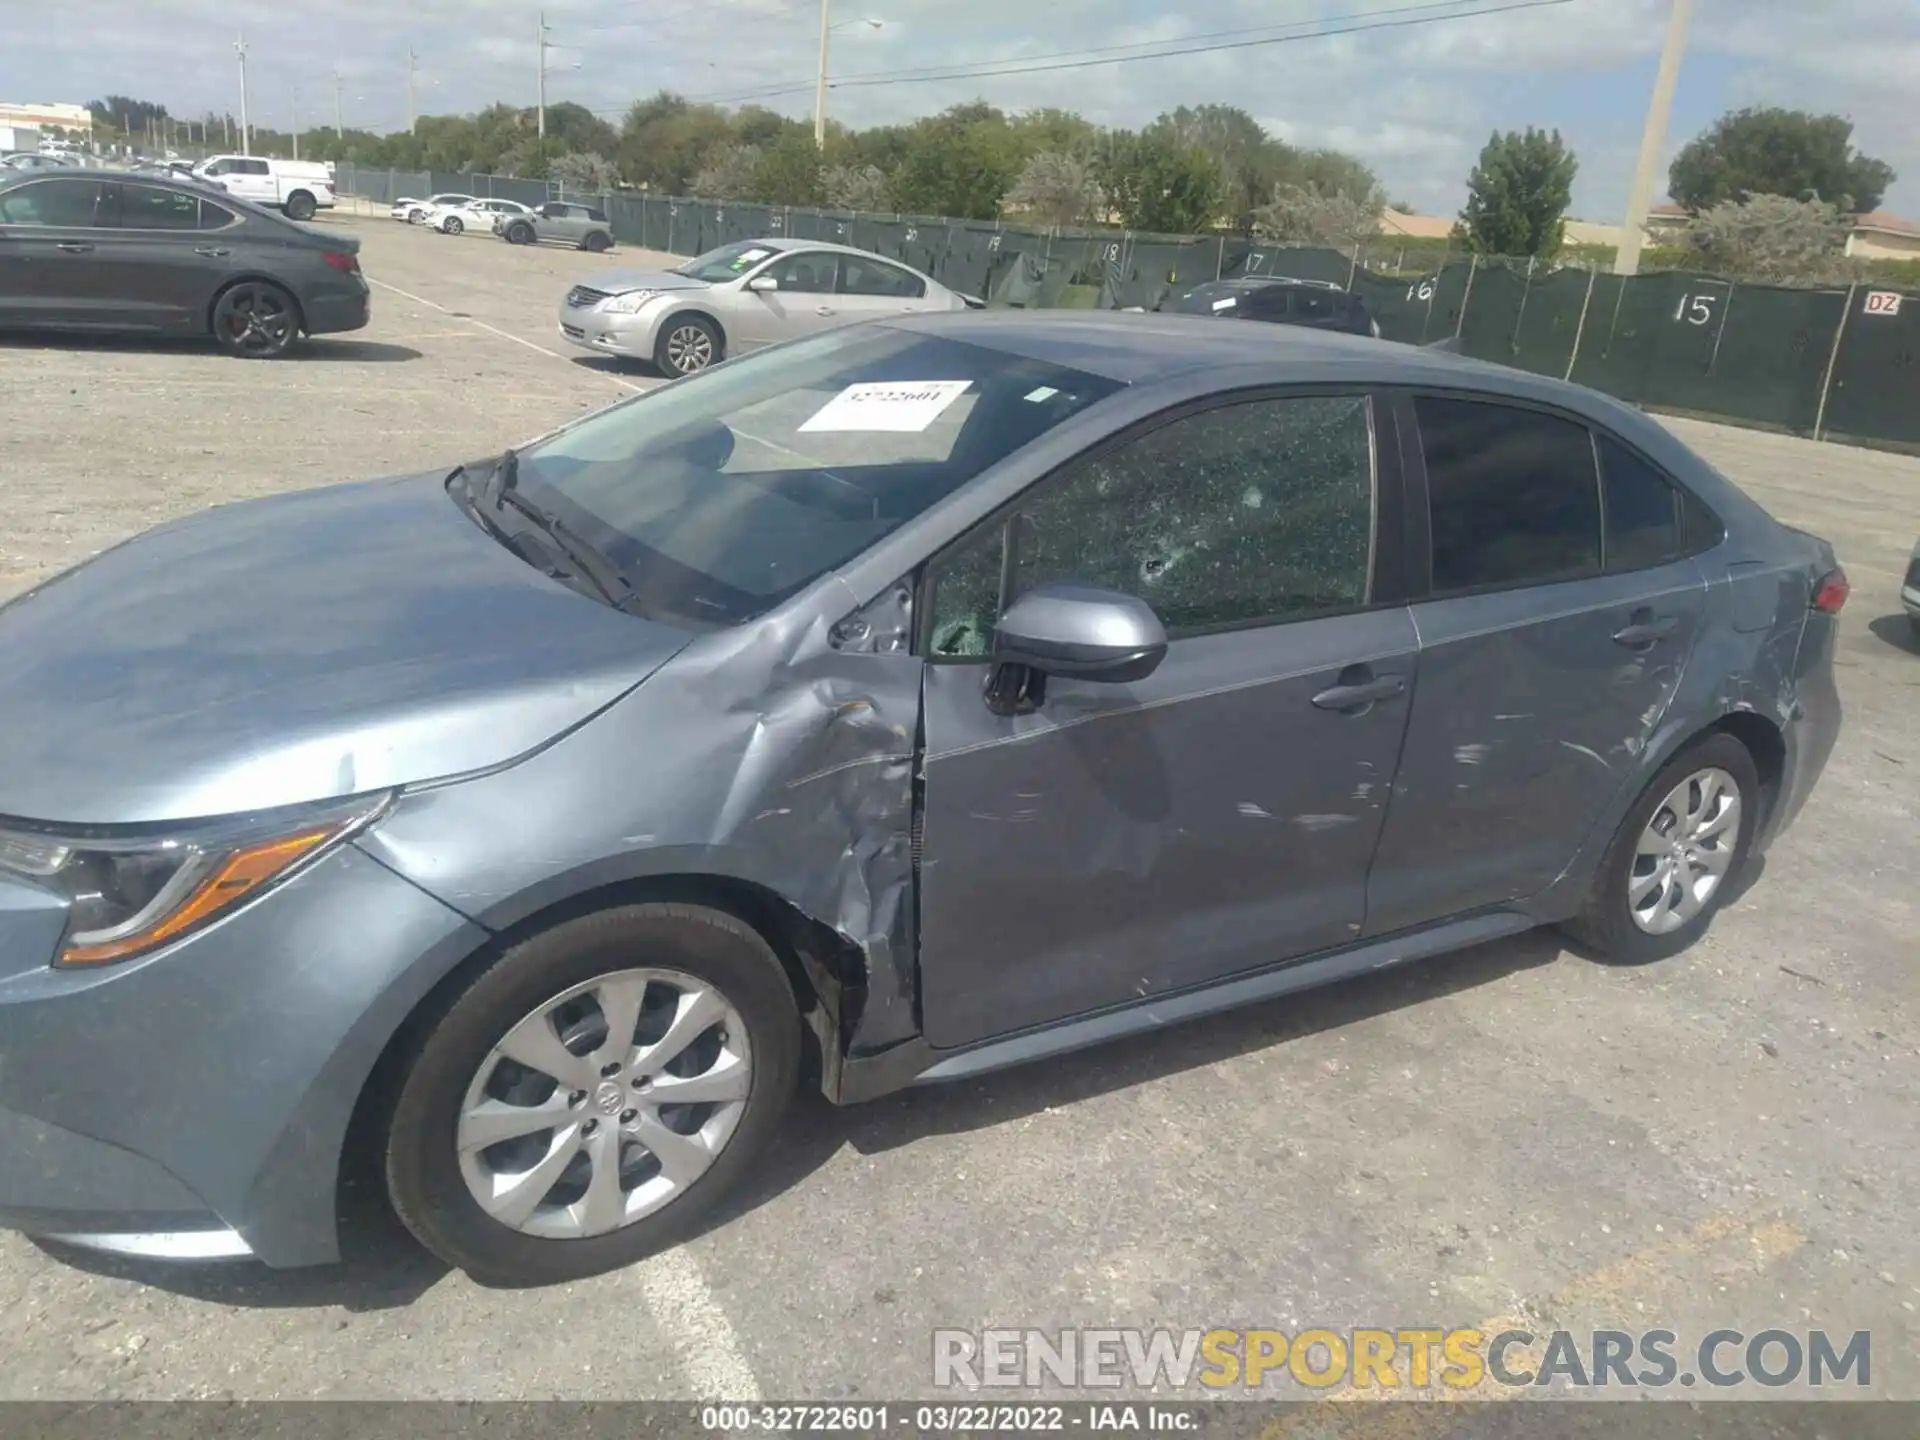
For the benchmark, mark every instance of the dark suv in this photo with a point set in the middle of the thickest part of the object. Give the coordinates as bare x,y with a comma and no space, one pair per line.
1317,304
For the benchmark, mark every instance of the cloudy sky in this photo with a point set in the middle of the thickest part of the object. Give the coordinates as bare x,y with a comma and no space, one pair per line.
1416,102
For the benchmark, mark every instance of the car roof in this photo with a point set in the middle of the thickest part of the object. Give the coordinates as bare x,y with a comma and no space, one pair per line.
1143,347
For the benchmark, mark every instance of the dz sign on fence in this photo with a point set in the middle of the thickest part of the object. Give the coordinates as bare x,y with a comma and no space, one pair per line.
1883,302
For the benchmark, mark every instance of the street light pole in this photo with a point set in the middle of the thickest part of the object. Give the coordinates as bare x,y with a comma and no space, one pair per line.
413,112
339,125
293,117
820,89
1653,140
540,53
246,136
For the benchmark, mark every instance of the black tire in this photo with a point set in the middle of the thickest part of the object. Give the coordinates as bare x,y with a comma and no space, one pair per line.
300,206
255,320
416,215
423,1171
452,225
1606,923
677,353
597,242
519,234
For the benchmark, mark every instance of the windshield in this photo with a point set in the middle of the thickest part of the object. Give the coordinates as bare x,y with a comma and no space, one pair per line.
727,263
723,494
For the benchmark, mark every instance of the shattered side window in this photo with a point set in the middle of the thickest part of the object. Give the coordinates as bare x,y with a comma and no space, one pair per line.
1255,512
966,598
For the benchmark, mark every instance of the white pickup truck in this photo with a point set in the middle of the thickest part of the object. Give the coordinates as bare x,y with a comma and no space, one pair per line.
298,187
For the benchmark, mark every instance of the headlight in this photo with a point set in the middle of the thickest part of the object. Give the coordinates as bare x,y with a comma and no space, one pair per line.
629,303
128,894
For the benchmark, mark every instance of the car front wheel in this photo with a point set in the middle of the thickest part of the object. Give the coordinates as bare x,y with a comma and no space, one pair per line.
519,234
1677,855
453,225
687,345
586,1100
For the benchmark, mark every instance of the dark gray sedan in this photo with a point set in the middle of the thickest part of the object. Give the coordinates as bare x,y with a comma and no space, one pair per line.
96,251
893,705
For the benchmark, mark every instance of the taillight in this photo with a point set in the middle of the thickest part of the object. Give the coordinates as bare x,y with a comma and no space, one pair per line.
347,261
1831,593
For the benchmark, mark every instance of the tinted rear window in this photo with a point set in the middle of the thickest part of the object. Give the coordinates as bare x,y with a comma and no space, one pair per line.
1513,494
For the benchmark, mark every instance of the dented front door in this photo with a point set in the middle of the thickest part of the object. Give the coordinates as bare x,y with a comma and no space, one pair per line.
1120,842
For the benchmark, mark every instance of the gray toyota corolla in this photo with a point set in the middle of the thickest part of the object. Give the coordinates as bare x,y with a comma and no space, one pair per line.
890,706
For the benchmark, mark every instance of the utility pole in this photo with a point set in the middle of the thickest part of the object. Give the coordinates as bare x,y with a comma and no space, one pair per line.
540,53
246,136
413,113
1653,140
293,114
820,89
339,125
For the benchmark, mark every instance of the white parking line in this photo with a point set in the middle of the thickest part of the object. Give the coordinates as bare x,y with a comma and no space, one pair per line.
503,334
702,1336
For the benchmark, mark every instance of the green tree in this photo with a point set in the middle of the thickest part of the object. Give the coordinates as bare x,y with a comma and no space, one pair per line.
854,187
1517,196
1770,151
585,171
1250,161
958,163
729,173
1158,184
666,140
788,172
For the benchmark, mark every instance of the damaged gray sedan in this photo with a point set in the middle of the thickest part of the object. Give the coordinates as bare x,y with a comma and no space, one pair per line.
894,705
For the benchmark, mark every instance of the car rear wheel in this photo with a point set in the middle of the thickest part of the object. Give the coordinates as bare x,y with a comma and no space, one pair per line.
300,206
256,319
453,225
687,345
1676,857
596,242
587,1099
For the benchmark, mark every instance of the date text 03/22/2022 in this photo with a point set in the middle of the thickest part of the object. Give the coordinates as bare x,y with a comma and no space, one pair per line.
942,1419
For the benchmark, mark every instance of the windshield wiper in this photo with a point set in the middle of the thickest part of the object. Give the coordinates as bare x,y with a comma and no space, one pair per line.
588,562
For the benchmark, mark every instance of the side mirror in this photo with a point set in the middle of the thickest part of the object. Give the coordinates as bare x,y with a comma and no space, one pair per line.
763,283
1080,632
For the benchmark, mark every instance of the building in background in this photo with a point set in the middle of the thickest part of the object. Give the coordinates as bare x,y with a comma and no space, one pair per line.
47,117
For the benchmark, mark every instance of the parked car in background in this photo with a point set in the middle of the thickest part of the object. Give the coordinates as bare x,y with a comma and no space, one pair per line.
414,212
585,227
481,215
914,700
739,298
299,187
1316,304
99,251
1910,591
35,160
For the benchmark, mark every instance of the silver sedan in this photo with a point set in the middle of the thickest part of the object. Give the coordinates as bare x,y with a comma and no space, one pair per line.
741,297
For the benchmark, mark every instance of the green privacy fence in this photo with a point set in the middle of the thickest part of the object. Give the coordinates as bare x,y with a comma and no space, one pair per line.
1841,364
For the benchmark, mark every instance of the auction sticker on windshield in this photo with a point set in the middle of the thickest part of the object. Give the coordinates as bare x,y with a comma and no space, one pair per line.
900,406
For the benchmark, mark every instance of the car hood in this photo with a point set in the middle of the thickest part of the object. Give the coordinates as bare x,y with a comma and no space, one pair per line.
619,282
303,647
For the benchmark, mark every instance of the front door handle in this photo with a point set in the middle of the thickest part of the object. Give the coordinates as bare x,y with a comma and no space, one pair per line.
1644,629
824,310
213,250
74,247
1358,692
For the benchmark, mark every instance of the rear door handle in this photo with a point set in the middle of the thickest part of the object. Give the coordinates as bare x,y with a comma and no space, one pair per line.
73,247
1360,694
214,250
1645,630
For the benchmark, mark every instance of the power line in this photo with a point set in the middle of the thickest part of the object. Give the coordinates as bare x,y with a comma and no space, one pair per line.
1400,18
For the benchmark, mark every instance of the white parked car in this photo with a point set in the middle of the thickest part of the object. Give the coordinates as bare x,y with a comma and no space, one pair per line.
298,187
415,211
483,216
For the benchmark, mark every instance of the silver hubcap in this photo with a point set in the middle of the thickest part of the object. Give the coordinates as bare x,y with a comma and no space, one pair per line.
1685,852
689,348
604,1104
